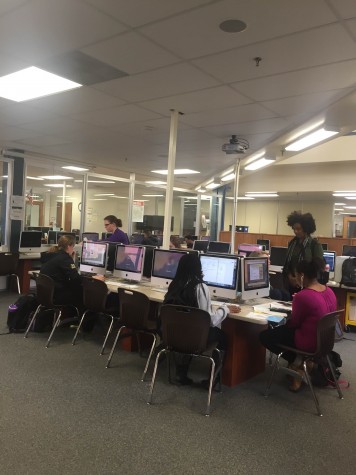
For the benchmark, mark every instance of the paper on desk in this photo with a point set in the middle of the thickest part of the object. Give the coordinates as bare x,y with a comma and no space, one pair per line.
265,310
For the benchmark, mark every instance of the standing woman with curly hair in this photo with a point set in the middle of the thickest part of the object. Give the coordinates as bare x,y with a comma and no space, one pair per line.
301,248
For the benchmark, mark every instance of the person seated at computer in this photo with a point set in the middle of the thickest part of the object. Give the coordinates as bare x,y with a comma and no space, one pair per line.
309,305
149,238
112,225
58,263
188,288
174,242
189,241
301,247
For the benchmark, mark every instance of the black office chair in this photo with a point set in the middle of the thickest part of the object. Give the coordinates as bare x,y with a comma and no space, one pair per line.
325,343
134,312
185,330
8,266
95,294
45,295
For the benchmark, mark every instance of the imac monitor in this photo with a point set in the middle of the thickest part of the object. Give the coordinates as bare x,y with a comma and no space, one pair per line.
164,266
220,274
201,246
219,247
264,242
129,262
329,257
254,277
246,249
277,258
90,237
52,237
93,258
30,241
349,250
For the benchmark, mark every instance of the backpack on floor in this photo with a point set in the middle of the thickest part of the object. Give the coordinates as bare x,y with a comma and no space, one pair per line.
321,374
348,272
20,312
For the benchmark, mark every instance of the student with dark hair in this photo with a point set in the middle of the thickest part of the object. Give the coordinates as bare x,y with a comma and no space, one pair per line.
188,288
149,239
189,239
301,247
309,306
112,225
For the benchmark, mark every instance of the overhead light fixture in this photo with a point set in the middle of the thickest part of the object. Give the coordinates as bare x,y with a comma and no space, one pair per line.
76,169
349,207
152,196
156,182
100,182
241,198
338,209
311,139
56,177
31,83
339,204
260,163
104,194
4,176
346,191
212,185
120,197
65,197
229,177
260,192
201,190
57,185
177,171
345,194
264,195
34,178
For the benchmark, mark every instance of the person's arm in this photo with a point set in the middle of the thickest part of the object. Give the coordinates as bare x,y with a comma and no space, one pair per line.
317,250
69,269
298,310
204,303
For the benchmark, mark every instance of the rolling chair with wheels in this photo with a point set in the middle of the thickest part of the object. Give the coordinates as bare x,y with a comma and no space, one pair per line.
325,343
134,312
8,266
45,295
185,330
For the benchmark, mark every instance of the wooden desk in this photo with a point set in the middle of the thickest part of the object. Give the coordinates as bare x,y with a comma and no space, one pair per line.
245,357
24,266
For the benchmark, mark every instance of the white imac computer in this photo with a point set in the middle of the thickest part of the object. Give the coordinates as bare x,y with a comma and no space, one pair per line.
220,273
30,241
254,277
219,247
94,257
164,266
90,237
329,257
129,262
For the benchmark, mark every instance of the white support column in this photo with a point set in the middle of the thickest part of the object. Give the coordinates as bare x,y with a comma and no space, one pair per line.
130,205
170,178
64,207
234,213
83,210
197,216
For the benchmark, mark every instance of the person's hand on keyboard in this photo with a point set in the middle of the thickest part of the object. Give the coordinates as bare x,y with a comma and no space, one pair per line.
234,308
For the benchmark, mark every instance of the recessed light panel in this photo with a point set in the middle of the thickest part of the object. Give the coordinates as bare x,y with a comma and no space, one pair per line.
76,169
177,171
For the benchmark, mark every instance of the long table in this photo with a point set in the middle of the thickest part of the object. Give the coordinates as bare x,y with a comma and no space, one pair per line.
245,356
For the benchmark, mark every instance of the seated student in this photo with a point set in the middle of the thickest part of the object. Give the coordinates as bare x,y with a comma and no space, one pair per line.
188,288
112,225
58,263
309,305
189,241
174,243
149,238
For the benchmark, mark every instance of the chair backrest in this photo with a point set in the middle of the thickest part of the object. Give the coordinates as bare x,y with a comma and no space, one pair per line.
94,294
185,329
326,332
8,262
134,308
45,290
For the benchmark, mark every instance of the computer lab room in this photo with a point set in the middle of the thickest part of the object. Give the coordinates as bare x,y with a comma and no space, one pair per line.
177,236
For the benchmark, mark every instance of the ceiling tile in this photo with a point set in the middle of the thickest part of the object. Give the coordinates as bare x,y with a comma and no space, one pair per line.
7,5
15,133
47,27
322,78
197,33
22,113
138,12
352,26
345,8
159,83
227,116
324,45
10,65
43,141
254,127
131,52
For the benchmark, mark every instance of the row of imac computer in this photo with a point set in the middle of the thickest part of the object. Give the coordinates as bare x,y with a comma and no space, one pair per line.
225,274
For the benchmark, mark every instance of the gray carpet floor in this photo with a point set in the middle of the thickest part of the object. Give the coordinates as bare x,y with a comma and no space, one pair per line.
62,412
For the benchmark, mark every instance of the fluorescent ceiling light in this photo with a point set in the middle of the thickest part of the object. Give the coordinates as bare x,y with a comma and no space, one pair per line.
4,176
261,192
261,162
311,139
338,209
350,207
104,194
264,195
177,171
121,197
76,169
33,82
156,182
344,194
34,178
241,198
201,190
227,172
151,196
339,204
230,176
212,185
57,185
65,197
98,199
353,197
102,182
56,177
346,191
255,157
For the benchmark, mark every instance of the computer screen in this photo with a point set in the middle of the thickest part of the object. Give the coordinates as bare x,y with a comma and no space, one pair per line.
30,241
219,247
324,245
330,257
220,273
90,237
105,235
349,250
246,249
205,238
254,277
129,262
264,242
200,245
52,237
277,258
164,267
94,257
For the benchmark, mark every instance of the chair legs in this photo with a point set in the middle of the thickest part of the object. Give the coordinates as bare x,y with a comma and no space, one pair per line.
79,326
32,320
149,401
107,334
149,357
114,346
274,369
308,380
54,327
18,283
341,396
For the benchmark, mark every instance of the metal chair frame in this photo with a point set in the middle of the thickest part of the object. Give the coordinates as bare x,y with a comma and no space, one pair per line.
325,343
